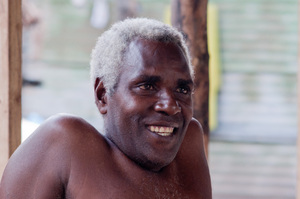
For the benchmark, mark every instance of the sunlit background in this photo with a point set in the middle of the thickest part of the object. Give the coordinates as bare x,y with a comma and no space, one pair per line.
253,78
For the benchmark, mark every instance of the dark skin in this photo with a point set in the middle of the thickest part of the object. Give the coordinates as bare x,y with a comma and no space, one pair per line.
68,158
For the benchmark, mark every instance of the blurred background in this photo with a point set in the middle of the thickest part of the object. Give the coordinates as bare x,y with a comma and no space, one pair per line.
253,78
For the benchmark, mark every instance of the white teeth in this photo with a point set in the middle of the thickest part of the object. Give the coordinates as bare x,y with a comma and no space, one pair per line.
156,129
163,131
152,128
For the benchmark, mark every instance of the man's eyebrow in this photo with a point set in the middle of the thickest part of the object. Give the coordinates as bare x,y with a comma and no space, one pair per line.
150,78
185,82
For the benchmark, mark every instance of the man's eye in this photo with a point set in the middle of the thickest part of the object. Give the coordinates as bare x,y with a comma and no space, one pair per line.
183,90
146,87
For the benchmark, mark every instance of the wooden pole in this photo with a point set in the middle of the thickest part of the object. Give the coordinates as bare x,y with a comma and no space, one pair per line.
298,140
190,17
10,78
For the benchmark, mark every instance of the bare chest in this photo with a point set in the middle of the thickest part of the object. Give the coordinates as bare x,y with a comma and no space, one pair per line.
119,185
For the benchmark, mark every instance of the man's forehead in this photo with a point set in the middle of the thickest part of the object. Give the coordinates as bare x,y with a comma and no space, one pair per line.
143,43
158,78
146,59
146,50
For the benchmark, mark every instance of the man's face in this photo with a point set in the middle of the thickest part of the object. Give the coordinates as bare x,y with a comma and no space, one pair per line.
148,114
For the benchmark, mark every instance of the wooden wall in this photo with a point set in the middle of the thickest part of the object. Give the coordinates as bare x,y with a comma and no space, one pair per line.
258,48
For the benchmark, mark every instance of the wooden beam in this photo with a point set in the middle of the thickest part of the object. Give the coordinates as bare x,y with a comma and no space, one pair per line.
298,140
10,78
190,17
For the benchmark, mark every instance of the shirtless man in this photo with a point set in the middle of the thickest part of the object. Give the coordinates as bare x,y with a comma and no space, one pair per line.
151,147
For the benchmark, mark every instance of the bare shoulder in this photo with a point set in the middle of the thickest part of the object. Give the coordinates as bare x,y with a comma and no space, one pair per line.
193,143
67,129
40,167
60,132
195,127
192,162
194,135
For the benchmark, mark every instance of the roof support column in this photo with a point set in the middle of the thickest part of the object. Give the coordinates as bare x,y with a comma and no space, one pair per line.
10,78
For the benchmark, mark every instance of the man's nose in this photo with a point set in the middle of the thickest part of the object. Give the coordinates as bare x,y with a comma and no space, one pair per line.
167,104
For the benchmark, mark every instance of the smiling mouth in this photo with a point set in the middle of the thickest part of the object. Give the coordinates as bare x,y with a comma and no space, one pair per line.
162,130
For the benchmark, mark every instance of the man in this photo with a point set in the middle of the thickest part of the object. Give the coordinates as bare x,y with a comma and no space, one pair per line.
150,147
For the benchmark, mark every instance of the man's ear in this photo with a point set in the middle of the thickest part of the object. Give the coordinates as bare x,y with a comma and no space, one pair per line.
100,96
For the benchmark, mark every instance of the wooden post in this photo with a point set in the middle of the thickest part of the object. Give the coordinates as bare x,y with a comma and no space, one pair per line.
190,17
10,78
298,140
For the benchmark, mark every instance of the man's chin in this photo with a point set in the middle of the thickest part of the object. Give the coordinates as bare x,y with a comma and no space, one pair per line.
156,164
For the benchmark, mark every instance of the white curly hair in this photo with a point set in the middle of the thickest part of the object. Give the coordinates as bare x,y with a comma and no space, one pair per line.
108,54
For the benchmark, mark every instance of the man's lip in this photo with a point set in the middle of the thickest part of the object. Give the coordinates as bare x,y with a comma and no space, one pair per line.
164,124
